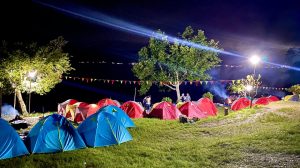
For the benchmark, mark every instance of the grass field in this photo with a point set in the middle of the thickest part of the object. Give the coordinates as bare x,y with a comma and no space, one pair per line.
262,137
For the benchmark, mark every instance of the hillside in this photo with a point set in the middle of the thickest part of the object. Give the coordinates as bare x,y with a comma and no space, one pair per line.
267,136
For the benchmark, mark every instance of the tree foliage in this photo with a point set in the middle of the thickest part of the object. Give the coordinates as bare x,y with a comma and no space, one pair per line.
208,95
49,63
162,60
295,89
239,86
167,99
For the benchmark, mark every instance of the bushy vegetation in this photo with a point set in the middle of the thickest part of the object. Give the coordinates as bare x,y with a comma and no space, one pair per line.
295,89
167,99
208,95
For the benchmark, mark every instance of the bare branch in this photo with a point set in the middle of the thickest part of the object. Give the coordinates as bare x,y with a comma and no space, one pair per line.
169,86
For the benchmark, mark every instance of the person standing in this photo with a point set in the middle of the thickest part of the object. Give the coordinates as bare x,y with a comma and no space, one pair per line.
188,97
182,98
148,104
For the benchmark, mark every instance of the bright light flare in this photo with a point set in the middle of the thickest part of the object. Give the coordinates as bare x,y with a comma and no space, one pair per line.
32,74
99,18
249,88
254,59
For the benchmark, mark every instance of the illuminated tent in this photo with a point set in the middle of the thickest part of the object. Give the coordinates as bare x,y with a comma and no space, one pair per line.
261,101
92,109
53,133
165,110
11,145
104,102
191,110
240,103
117,102
81,111
61,109
119,114
133,109
103,129
273,98
207,107
71,110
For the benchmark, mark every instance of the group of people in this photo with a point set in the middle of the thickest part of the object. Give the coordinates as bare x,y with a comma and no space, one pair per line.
185,98
147,101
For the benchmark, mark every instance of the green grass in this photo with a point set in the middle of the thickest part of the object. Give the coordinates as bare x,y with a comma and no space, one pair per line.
222,141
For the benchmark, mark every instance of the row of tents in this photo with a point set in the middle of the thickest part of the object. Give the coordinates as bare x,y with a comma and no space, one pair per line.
54,133
244,102
79,111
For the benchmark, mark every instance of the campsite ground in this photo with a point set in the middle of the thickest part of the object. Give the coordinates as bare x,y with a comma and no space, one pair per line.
268,136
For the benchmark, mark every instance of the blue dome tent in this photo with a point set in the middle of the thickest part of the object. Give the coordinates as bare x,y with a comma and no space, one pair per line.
119,114
103,129
11,145
54,133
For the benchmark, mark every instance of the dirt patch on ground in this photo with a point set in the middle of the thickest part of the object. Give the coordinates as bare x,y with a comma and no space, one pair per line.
267,160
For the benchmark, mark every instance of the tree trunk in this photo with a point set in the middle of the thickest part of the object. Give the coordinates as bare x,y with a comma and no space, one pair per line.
178,92
21,102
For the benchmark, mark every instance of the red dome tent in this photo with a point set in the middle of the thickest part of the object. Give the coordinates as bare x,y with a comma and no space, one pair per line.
207,106
61,108
165,111
273,98
191,110
133,109
261,101
104,102
240,103
92,108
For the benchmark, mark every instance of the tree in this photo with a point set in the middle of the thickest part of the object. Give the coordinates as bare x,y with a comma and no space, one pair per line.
246,87
295,89
48,62
238,87
172,63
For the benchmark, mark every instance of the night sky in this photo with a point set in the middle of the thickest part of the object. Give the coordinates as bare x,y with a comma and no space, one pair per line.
267,28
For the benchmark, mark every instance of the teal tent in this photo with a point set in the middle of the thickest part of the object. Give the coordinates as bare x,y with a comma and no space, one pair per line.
103,129
54,133
119,114
11,145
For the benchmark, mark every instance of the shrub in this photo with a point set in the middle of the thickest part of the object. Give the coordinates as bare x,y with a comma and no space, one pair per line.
295,89
167,99
208,95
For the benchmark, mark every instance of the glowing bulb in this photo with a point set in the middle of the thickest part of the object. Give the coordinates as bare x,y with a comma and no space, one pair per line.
254,59
32,74
249,88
